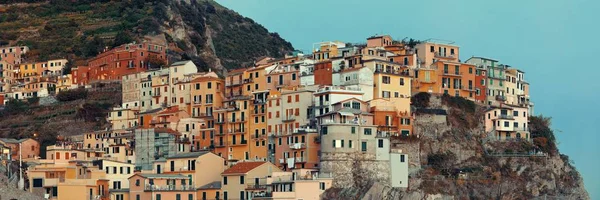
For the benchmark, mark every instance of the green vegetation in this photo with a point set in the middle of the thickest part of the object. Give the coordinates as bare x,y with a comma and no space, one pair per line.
459,103
441,160
420,100
542,134
79,30
71,95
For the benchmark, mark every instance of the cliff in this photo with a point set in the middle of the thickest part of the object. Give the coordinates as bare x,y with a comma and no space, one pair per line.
453,158
202,30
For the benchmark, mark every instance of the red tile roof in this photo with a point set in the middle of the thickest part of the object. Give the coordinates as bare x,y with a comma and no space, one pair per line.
243,167
170,110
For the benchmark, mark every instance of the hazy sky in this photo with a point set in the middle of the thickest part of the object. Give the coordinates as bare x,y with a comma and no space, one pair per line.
552,41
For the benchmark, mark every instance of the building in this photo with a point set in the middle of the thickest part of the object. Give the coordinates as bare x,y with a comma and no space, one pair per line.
326,96
123,118
507,122
201,167
160,186
399,174
293,135
239,181
118,174
431,51
122,60
298,184
64,181
480,85
379,41
152,144
446,77
495,79
13,55
28,148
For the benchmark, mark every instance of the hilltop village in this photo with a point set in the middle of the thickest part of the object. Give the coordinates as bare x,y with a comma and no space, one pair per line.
284,128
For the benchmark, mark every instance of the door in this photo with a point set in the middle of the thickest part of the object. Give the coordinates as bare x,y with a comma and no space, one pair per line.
158,169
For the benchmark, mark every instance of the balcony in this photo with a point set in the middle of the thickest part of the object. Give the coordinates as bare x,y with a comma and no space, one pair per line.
219,145
258,136
392,72
249,80
233,83
240,143
289,118
297,146
169,188
238,120
237,131
219,121
259,186
183,140
468,88
507,117
304,130
500,98
156,94
458,74
443,55
154,122
384,134
300,160
334,122
219,134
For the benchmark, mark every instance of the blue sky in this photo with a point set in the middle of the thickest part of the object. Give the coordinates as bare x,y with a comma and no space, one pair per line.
554,42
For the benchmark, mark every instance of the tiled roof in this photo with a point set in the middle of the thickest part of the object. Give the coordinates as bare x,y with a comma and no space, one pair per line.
213,185
166,130
170,110
189,154
180,63
243,167
13,141
163,176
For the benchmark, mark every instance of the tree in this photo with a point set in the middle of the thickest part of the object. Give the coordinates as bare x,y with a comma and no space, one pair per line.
122,38
421,100
155,62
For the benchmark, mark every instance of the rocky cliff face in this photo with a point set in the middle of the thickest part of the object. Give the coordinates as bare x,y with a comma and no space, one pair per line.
449,160
202,30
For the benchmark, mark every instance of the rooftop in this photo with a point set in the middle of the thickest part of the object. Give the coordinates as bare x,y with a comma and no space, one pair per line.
243,167
189,154
213,185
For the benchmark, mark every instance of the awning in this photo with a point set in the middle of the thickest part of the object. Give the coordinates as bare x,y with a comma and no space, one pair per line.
346,114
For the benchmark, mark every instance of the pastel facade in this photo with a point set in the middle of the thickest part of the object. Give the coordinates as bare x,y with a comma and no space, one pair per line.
507,122
28,148
239,181
432,51
13,55
298,184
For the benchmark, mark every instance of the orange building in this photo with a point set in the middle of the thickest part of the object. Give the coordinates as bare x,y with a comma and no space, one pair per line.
379,41
13,55
446,77
161,186
323,73
30,148
122,60
207,94
480,85
283,76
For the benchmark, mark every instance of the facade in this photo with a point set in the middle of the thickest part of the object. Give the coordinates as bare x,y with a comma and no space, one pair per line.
160,186
399,176
432,51
27,147
13,55
239,181
152,144
122,60
298,184
495,78
507,122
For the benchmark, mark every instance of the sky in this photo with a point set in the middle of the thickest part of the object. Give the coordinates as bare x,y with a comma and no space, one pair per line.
554,42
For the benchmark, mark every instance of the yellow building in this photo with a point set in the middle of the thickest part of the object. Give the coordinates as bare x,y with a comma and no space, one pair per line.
123,118
66,181
242,180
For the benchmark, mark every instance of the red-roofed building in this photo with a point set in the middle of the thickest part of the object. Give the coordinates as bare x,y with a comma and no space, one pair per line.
242,179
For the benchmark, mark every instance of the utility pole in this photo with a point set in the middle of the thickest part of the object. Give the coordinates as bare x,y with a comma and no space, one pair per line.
21,182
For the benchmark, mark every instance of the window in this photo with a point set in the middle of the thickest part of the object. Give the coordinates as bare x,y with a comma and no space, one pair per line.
242,195
268,79
178,197
321,185
380,143
38,182
225,195
349,143
241,179
224,180
367,131
137,197
190,197
516,113
506,124
386,80
353,130
402,157
158,196
137,182
363,146
401,81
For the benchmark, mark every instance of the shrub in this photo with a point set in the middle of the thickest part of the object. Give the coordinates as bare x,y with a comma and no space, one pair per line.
542,134
421,100
70,95
441,160
459,103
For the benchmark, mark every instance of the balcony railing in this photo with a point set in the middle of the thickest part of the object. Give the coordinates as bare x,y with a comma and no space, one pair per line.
297,146
289,118
444,55
258,136
447,73
233,83
300,159
330,121
259,186
508,117
169,188
304,130
243,142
